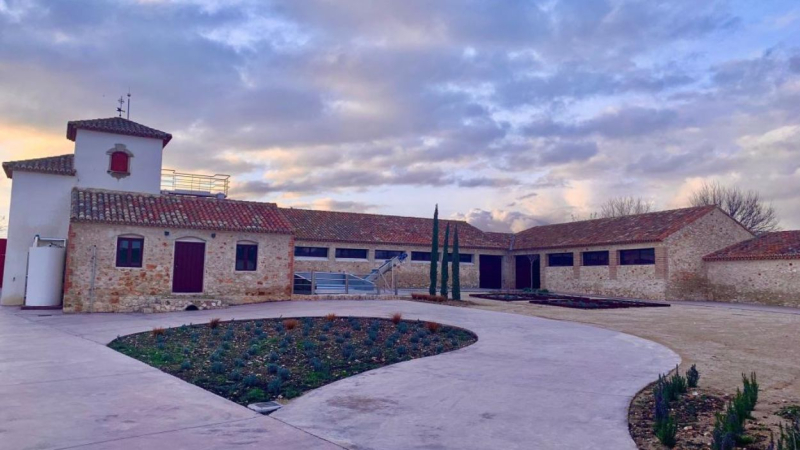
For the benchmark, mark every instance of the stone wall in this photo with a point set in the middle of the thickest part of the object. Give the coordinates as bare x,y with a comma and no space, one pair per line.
768,282
712,232
149,288
409,275
643,281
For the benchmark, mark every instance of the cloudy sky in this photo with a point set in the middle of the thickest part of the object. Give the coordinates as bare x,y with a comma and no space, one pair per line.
507,113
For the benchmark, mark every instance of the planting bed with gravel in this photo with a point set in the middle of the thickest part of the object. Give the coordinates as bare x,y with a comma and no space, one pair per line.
568,301
695,415
260,360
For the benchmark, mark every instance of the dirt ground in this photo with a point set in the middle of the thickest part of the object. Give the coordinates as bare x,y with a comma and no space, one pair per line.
723,340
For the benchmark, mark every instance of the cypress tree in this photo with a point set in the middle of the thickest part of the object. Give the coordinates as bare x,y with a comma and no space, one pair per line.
444,261
434,251
456,268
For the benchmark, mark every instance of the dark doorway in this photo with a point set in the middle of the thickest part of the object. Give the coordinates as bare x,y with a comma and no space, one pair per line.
187,276
491,271
528,272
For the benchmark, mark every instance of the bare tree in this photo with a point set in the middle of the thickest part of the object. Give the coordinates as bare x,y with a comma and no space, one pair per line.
747,207
624,206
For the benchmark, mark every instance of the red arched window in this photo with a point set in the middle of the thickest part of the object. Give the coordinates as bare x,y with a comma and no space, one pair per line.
119,162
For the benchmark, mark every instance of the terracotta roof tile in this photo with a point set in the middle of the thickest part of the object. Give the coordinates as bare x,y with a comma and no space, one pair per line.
777,245
116,125
56,165
650,227
171,211
332,226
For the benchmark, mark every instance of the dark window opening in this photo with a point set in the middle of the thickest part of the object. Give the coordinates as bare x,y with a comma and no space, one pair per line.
421,256
311,252
595,258
351,253
129,252
387,254
246,257
559,259
639,256
119,162
465,258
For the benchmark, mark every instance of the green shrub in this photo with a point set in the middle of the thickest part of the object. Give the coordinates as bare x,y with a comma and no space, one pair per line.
250,380
750,391
274,386
789,438
665,427
692,376
790,412
217,367
678,382
666,432
186,365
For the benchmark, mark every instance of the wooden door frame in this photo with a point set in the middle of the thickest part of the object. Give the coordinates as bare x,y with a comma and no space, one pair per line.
188,240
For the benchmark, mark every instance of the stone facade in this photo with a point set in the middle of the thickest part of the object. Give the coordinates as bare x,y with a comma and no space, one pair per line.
769,282
640,281
678,272
712,232
409,275
93,283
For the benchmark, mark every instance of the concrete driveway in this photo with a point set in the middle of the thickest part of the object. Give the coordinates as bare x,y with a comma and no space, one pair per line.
528,383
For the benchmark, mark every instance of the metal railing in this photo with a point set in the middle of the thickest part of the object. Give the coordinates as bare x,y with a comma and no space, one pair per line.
313,283
194,184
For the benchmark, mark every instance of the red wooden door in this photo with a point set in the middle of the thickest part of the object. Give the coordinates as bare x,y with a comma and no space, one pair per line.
187,275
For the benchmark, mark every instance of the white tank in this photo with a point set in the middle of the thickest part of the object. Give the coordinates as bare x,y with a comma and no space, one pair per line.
45,276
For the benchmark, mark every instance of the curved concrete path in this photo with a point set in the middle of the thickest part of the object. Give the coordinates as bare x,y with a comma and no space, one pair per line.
527,383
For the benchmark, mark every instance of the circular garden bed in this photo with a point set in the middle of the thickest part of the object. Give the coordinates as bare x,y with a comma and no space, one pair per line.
261,360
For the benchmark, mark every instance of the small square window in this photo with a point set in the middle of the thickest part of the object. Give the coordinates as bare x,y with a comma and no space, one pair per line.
639,256
130,252
421,256
382,255
246,257
351,253
311,252
595,258
559,260
465,258
119,163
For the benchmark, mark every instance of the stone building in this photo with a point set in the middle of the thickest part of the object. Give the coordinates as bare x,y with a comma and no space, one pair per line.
105,229
763,270
145,252
639,256
328,241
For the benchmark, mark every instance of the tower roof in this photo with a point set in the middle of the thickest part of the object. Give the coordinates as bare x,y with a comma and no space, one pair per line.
116,125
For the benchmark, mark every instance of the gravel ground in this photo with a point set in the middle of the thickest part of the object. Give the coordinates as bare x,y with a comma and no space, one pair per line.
724,341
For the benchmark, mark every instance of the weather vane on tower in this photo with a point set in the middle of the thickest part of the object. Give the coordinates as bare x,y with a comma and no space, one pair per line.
122,103
119,108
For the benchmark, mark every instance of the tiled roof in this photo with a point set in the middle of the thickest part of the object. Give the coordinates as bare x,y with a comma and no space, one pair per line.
650,227
171,211
777,245
57,165
331,226
502,240
116,125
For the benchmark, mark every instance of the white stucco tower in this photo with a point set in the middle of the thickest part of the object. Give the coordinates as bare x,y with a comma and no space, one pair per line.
114,154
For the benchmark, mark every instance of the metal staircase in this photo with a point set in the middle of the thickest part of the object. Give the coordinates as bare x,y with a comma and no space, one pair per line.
344,283
387,265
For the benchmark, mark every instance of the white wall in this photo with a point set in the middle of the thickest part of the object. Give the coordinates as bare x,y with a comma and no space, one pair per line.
40,204
92,162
